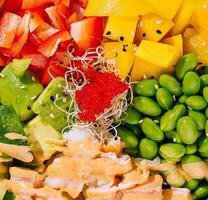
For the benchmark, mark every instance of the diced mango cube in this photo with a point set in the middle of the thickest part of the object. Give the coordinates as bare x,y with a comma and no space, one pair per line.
197,43
153,27
123,53
143,69
165,8
124,8
159,54
200,16
121,29
183,16
176,41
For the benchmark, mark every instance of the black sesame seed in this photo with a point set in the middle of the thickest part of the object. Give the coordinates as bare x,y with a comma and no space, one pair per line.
67,108
122,38
108,33
143,34
52,98
159,31
124,49
29,108
61,62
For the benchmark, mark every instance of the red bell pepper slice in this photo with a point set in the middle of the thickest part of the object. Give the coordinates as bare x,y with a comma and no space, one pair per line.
38,61
8,28
11,6
56,67
30,4
87,33
50,45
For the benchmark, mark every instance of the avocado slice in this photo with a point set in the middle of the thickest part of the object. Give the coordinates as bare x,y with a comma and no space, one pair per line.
39,132
46,108
19,88
10,123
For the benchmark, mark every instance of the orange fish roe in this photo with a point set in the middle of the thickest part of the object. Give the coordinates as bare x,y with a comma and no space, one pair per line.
97,95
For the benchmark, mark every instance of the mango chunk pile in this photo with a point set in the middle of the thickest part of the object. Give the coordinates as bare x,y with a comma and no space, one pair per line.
145,38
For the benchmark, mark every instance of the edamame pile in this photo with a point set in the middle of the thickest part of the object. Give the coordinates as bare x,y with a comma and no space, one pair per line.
169,118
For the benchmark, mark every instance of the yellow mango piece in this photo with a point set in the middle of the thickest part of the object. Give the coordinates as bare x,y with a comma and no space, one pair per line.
183,16
122,8
123,53
176,41
121,29
200,16
143,69
197,43
165,8
159,54
153,27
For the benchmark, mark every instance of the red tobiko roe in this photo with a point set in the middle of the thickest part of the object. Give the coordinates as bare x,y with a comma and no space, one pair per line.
97,95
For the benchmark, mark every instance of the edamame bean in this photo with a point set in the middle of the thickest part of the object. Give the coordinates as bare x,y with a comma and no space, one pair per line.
206,127
132,116
192,184
187,130
171,84
196,102
147,106
206,112
201,191
182,99
191,149
191,159
173,135
127,136
152,130
175,179
135,129
169,119
185,64
148,148
199,119
205,94
203,144
204,80
147,87
131,151
172,151
191,83
164,98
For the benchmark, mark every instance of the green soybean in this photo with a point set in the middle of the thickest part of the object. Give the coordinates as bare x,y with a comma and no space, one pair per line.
205,94
135,129
173,135
191,149
164,98
204,155
199,118
206,112
192,184
147,87
182,99
127,136
175,179
185,64
190,159
196,102
169,119
152,130
148,148
204,80
191,83
206,127
201,191
172,151
132,116
171,84
203,144
131,151
187,130
147,106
